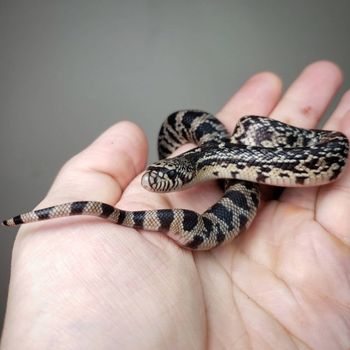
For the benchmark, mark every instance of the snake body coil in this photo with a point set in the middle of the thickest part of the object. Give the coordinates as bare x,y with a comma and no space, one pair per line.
260,150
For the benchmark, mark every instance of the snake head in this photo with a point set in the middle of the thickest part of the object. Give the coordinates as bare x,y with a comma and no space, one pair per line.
168,175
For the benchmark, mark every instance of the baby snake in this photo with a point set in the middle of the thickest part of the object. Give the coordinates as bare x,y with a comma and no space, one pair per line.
260,150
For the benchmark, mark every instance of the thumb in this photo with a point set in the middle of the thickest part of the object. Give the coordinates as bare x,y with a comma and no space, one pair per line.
103,169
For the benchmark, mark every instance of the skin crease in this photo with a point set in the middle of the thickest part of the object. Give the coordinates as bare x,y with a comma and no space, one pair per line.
84,283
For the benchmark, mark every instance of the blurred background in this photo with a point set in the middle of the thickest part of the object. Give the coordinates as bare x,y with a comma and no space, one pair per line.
70,69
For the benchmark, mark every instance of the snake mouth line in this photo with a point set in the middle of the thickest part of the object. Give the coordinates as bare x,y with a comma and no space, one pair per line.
145,182
150,181
155,181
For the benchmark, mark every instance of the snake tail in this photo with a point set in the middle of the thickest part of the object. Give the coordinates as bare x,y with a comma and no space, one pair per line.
233,213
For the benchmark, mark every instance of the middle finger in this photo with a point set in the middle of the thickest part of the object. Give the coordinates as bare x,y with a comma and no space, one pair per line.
307,98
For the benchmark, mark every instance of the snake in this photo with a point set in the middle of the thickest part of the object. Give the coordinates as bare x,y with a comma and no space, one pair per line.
261,150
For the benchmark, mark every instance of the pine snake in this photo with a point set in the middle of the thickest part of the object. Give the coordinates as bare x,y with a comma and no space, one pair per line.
260,151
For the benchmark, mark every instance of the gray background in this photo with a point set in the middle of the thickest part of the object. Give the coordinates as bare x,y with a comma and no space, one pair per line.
70,69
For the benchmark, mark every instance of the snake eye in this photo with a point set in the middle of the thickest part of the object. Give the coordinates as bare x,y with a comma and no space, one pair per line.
171,174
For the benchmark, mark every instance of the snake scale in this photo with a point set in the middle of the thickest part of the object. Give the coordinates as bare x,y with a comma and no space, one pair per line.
260,151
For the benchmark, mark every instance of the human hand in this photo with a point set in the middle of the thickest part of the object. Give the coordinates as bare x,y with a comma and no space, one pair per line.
86,283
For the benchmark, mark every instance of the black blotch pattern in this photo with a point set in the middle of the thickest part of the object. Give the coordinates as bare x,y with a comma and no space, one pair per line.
239,199
107,210
335,174
233,174
220,237
190,220
190,116
174,136
291,139
139,218
261,178
222,212
188,119
77,208
17,220
334,159
196,241
242,221
265,167
202,130
212,128
165,218
208,226
171,118
162,151
288,166
300,180
255,199
249,185
240,166
121,217
43,214
185,134
262,135
231,226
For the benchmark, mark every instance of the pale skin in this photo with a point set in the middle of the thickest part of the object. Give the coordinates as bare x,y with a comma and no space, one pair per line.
85,283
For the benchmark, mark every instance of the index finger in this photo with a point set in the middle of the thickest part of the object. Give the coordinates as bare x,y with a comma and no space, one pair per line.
257,96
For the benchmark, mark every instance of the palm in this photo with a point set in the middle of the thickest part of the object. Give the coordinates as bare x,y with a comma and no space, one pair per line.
283,276
282,284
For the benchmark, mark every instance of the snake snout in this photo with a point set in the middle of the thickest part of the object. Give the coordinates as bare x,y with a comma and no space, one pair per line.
156,181
152,181
145,181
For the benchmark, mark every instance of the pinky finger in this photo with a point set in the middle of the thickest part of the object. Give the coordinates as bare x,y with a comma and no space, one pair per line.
333,200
